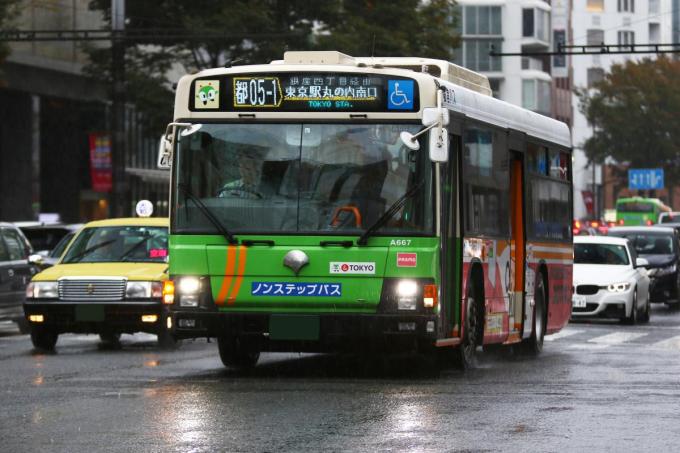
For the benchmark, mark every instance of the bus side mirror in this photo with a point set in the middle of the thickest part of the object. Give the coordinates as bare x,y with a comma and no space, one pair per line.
439,144
164,154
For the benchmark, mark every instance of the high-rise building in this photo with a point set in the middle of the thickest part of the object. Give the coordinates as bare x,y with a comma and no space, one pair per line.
611,22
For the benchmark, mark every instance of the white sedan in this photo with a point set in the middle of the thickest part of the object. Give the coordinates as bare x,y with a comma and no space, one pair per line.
609,280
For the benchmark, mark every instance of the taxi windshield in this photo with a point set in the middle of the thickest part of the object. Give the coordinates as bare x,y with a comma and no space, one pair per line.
302,178
119,244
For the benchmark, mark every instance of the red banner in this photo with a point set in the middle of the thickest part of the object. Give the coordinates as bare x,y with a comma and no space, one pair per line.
101,168
588,200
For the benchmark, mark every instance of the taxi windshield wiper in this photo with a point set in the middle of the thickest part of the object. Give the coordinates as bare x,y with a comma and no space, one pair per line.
396,206
208,214
134,247
79,256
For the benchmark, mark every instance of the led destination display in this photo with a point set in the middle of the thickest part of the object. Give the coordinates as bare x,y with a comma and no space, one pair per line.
305,92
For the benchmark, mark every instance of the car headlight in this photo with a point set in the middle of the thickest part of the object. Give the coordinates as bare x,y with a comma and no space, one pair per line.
42,290
143,290
618,287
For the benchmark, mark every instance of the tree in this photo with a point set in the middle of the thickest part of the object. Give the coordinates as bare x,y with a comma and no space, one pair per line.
260,31
392,28
8,11
635,115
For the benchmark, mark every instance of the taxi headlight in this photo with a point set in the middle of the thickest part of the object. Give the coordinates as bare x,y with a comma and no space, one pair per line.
42,290
618,287
138,290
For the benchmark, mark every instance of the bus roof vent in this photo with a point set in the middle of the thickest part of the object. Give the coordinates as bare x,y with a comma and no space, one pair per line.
438,68
318,57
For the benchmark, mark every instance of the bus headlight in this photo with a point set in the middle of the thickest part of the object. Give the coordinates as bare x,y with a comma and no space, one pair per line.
189,291
407,291
42,290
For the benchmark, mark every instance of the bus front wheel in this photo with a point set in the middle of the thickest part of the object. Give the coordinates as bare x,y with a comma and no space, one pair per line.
234,354
465,355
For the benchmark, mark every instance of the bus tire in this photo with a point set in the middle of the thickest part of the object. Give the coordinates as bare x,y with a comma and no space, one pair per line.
234,355
465,354
44,339
110,340
534,344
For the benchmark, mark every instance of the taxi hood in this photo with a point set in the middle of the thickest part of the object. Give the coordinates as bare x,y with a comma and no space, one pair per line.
131,271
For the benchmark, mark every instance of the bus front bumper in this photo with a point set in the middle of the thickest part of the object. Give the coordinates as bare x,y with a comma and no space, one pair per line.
311,332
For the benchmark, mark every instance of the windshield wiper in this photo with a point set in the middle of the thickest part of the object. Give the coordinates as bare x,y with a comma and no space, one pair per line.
133,248
396,206
76,258
209,215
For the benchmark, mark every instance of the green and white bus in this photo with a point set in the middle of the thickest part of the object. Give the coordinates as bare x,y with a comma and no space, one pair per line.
634,211
331,203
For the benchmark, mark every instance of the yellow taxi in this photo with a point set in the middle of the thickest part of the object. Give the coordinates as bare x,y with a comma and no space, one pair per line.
109,281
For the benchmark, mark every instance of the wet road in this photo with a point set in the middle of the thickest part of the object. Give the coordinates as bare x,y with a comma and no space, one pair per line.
597,387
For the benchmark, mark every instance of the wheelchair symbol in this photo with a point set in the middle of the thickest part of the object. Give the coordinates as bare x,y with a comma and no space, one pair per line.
398,97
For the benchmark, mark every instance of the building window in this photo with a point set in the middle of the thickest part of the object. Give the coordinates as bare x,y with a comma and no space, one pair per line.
654,33
476,54
594,37
536,24
482,20
654,7
626,37
595,6
595,75
536,95
627,6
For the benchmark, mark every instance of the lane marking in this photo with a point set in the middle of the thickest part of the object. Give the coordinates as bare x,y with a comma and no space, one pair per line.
672,343
564,333
588,346
617,338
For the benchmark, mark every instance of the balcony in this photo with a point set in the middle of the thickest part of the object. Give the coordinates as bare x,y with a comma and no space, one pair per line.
536,28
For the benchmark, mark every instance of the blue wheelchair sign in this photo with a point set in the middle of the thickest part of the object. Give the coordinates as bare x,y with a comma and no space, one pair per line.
400,95
645,178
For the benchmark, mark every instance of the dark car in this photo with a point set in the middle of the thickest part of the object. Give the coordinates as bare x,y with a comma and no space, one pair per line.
16,272
660,247
45,237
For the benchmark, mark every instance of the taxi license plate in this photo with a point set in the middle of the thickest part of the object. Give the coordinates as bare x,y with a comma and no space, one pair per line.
578,301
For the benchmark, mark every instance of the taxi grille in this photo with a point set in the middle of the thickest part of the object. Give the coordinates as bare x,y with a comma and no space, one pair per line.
92,289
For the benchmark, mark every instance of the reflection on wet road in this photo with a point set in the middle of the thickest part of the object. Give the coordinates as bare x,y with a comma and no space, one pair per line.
598,386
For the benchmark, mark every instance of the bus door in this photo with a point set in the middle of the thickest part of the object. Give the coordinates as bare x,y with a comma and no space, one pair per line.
517,248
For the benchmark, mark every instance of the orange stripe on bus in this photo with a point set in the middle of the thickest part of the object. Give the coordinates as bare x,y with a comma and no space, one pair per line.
228,273
242,252
553,255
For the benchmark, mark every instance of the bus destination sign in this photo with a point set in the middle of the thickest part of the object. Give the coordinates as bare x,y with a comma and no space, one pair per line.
306,92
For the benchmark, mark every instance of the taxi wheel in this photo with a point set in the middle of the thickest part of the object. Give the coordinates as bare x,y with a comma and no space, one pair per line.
110,339
166,340
234,355
43,339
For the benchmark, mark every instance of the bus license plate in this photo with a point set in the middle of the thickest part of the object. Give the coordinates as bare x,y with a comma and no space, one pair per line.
578,301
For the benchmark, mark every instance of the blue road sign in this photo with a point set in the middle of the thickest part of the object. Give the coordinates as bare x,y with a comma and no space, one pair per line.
645,178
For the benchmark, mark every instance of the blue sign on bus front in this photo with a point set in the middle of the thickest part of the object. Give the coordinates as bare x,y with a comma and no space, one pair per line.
645,178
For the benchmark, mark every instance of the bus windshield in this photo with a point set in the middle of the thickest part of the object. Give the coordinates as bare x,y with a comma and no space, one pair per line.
301,178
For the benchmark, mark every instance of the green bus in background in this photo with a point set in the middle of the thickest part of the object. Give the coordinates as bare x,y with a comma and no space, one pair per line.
639,211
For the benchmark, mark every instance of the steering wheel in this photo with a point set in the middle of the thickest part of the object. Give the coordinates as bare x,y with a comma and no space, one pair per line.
335,220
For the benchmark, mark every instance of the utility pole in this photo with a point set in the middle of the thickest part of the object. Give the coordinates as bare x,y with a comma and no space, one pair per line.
119,193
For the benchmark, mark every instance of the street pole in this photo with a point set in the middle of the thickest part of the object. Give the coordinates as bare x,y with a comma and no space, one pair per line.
118,205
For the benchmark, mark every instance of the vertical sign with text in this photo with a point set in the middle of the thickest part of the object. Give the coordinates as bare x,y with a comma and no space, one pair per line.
101,168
